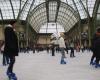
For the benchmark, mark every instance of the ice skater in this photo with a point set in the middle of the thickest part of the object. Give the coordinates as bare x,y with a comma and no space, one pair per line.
11,48
96,48
62,48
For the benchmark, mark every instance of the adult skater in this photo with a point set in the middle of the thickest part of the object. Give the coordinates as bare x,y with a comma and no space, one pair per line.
11,47
72,49
62,47
96,47
92,62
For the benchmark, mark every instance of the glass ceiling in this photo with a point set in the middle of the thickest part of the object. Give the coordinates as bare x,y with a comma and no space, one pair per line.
52,28
65,15
98,13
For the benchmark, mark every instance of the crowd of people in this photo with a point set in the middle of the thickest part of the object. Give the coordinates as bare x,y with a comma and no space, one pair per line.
9,48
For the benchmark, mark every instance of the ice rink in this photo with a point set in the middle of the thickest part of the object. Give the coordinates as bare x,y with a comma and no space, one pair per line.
43,66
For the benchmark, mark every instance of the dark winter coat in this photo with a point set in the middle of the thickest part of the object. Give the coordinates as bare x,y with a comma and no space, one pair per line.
96,45
11,42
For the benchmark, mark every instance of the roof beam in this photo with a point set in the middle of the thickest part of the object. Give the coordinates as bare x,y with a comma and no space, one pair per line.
58,5
20,12
12,9
47,10
30,9
97,3
1,16
86,10
76,8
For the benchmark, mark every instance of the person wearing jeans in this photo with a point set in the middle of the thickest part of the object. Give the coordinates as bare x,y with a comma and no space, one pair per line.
62,48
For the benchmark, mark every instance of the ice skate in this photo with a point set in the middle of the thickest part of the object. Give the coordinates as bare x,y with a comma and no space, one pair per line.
62,61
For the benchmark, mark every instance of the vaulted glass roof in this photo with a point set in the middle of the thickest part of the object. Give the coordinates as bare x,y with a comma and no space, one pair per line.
98,13
66,15
40,12
80,4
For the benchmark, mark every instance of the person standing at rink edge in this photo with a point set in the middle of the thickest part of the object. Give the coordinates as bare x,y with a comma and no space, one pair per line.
11,46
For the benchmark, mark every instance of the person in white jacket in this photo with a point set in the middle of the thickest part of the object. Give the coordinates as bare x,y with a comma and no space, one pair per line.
62,47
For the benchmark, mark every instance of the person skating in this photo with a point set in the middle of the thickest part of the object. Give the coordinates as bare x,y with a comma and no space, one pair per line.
62,48
72,49
11,47
96,48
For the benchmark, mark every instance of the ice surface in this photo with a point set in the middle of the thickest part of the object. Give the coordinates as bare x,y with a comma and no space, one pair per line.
43,66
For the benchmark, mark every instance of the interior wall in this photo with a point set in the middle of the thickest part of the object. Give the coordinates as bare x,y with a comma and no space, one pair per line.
20,28
44,39
85,28
1,33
